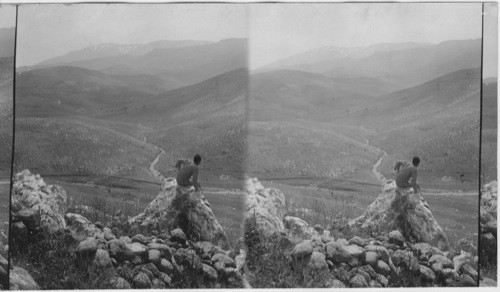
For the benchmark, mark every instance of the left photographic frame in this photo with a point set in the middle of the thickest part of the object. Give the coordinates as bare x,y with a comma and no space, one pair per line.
7,48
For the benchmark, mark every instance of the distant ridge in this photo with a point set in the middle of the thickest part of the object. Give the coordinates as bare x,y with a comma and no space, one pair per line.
112,49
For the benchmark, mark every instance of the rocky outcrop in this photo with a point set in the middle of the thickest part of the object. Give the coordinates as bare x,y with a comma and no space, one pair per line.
265,208
184,245
177,206
359,261
405,210
36,204
488,222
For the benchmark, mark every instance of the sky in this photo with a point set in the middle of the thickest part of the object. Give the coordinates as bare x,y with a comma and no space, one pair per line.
47,31
277,31
7,16
490,42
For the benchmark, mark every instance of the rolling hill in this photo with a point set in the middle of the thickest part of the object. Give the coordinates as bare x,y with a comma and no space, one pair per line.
437,120
207,118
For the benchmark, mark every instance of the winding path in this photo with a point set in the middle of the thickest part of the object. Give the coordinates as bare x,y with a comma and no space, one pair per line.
152,166
380,177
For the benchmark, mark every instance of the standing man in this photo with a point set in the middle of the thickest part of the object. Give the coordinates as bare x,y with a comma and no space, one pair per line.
188,175
403,177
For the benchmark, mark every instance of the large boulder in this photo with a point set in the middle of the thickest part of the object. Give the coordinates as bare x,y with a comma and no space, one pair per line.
81,228
405,210
177,206
20,279
265,208
37,204
299,230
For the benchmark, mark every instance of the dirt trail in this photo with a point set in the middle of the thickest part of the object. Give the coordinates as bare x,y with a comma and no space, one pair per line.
380,177
152,166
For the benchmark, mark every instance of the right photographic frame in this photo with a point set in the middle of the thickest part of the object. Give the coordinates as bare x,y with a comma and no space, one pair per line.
488,206
364,145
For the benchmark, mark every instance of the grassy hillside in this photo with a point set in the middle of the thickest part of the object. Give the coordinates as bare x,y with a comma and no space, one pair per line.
295,121
489,133
56,146
6,102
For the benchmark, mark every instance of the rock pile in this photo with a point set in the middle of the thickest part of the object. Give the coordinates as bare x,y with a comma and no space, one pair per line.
363,262
169,257
488,223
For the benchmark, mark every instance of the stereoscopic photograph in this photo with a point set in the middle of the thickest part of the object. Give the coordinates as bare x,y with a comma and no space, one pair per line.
363,145
248,145
130,132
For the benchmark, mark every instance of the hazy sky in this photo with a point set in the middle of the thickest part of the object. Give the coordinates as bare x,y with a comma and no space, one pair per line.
7,16
490,64
277,31
46,31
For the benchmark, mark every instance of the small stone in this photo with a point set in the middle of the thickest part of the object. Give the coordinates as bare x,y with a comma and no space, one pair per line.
137,248
102,259
354,251
166,266
140,238
357,241
446,262
383,268
487,282
382,280
158,284
335,284
374,284
178,235
427,273
396,237
318,261
353,262
87,247
166,279
468,281
119,283
209,273
142,281
358,281
108,234
154,256
371,258
228,262
302,250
